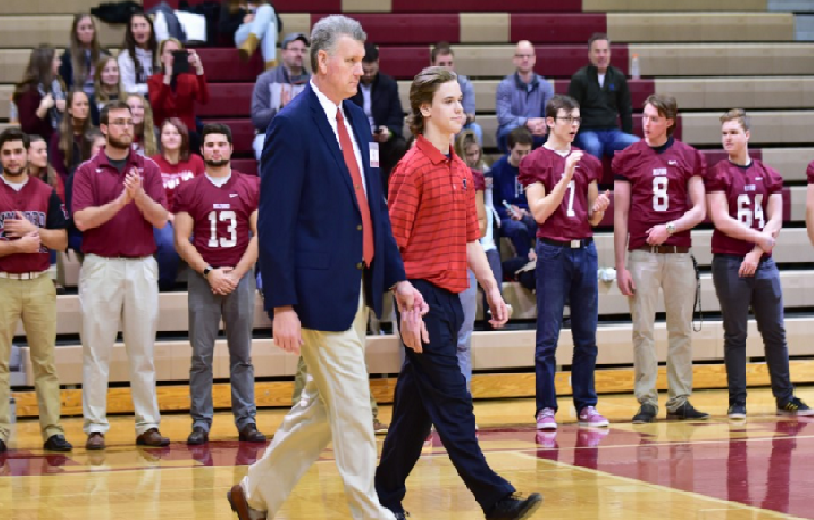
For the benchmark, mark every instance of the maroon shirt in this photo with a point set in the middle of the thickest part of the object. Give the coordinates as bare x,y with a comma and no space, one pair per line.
128,233
40,205
570,220
222,216
810,172
478,180
659,187
172,175
747,190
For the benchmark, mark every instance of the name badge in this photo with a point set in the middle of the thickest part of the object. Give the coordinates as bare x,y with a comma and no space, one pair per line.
374,155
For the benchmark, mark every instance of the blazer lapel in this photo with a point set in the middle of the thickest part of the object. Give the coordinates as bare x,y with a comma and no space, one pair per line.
329,138
364,145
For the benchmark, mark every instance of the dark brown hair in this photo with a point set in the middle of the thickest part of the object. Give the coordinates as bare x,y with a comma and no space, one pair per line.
666,107
597,36
440,49
47,174
424,86
130,41
66,128
40,69
183,151
558,102
14,133
78,65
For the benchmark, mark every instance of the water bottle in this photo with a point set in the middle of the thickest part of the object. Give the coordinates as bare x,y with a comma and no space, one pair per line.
13,413
635,72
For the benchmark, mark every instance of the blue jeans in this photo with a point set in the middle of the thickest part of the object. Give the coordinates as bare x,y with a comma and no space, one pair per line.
166,256
764,293
264,27
503,134
520,232
604,142
563,271
469,302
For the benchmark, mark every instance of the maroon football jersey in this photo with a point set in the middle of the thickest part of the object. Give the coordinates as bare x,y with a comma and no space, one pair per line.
659,187
40,205
222,215
478,180
747,190
810,172
570,220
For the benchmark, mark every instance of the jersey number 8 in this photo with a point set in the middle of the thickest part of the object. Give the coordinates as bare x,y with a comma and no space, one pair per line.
661,201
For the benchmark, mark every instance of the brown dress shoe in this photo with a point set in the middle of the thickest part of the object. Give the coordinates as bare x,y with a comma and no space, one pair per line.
96,441
238,503
251,434
152,437
379,428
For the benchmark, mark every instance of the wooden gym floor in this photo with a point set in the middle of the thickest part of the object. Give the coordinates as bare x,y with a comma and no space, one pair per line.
758,469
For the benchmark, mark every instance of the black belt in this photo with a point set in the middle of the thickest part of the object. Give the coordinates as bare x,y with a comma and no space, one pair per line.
578,243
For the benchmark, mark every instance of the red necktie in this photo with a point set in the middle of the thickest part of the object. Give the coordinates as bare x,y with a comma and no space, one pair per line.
358,187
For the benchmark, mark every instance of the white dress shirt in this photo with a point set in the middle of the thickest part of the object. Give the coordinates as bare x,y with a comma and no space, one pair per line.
330,110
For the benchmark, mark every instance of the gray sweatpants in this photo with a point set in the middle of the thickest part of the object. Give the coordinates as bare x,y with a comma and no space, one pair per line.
205,312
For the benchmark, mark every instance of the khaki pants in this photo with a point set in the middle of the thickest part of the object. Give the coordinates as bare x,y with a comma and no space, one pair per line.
674,274
302,375
334,407
114,291
33,301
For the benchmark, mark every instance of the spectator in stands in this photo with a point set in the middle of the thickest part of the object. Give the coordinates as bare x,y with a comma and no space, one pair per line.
276,87
810,202
260,27
378,95
78,62
521,98
33,222
746,206
442,55
563,194
658,195
146,133
175,94
97,143
117,201
177,167
40,168
516,223
69,146
603,96
40,96
434,219
107,82
140,47
221,258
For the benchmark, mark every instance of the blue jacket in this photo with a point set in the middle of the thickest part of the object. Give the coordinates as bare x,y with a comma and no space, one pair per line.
309,223
517,101
507,187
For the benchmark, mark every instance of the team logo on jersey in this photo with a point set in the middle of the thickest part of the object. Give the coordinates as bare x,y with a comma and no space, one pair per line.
220,206
659,171
672,162
232,195
749,187
464,182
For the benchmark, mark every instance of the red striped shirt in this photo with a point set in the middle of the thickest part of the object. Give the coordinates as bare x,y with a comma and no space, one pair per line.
433,215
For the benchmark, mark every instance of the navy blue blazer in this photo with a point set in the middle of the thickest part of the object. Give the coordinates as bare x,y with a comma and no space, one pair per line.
309,222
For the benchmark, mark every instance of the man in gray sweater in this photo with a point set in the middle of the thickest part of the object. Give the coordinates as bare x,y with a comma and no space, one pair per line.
522,97
276,87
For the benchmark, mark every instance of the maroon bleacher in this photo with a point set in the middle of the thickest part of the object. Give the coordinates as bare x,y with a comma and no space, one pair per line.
384,28
556,28
245,165
489,6
228,99
283,6
224,64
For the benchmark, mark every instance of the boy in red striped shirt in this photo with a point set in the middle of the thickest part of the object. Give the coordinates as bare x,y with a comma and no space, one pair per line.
434,220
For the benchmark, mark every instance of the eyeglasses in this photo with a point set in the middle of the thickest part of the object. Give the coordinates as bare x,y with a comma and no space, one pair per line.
122,122
570,120
521,56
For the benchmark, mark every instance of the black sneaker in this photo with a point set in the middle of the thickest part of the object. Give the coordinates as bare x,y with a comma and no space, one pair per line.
57,443
515,507
2,446
647,414
794,406
737,411
686,412
404,515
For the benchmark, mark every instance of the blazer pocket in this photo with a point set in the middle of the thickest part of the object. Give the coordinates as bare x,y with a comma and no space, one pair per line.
313,260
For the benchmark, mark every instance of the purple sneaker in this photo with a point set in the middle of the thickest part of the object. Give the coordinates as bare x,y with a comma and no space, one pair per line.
545,419
590,418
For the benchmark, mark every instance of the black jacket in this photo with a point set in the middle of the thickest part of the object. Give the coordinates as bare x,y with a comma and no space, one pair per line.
385,105
600,106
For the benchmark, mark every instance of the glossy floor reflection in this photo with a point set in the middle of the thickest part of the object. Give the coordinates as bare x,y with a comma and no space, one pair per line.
760,468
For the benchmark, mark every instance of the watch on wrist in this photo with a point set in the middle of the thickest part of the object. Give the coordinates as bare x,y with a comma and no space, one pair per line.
671,227
208,269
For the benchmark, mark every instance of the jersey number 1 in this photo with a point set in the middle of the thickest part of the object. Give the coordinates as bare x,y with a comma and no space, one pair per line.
223,216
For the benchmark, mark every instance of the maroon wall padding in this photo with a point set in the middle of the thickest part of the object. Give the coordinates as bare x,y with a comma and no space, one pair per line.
245,166
228,100
224,64
481,6
556,28
283,6
242,133
562,61
404,62
416,29
639,90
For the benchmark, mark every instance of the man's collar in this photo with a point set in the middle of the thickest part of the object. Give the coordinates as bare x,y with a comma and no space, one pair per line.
432,153
328,106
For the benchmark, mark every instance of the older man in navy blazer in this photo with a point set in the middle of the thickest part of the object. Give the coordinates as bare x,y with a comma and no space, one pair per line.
327,253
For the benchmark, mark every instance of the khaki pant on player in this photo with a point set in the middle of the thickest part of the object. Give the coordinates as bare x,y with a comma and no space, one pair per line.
114,291
674,274
33,301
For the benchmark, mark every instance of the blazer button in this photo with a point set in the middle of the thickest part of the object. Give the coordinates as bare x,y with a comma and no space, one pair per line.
359,227
359,265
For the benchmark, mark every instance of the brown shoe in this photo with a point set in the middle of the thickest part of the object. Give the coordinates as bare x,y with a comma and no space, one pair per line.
96,441
152,437
251,434
379,428
237,501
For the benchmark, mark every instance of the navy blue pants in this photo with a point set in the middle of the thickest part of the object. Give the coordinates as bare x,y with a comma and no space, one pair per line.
431,390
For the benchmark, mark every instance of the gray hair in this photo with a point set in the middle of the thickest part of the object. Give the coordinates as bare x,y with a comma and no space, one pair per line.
328,30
